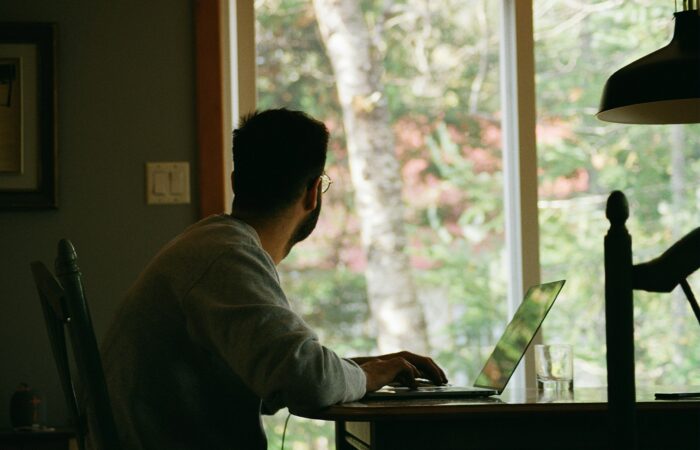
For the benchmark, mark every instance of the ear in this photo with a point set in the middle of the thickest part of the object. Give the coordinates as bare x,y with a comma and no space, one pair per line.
310,199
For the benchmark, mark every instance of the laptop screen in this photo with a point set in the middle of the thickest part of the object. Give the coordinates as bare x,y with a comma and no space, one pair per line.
518,335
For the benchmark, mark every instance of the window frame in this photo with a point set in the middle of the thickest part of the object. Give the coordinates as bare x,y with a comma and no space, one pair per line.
211,103
520,163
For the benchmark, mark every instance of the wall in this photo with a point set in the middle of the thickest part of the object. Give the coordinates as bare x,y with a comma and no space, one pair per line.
125,96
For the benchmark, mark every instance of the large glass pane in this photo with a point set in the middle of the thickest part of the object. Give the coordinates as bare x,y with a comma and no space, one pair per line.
581,160
424,174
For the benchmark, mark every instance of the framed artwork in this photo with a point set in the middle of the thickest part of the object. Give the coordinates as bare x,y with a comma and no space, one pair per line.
28,172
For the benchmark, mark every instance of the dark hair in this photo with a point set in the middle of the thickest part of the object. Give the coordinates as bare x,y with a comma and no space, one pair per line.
277,153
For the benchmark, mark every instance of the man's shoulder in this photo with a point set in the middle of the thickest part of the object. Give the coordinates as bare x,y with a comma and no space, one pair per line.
224,255
224,240
203,244
213,236
215,254
224,229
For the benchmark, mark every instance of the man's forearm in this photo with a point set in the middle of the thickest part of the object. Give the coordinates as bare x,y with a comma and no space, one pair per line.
363,359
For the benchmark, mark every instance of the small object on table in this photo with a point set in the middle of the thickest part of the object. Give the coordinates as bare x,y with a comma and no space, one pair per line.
555,367
27,409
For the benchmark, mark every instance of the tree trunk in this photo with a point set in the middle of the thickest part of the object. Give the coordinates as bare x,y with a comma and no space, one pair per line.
375,175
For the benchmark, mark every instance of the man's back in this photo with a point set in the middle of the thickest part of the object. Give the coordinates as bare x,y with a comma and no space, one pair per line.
206,333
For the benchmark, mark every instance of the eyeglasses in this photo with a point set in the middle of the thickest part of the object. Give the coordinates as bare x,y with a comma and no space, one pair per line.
325,182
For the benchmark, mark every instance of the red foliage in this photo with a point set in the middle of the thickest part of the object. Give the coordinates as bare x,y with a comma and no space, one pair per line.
553,132
563,187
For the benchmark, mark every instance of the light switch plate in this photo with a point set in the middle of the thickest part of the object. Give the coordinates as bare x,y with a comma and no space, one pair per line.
167,183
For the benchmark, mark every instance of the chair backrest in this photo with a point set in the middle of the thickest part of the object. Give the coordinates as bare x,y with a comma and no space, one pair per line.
64,305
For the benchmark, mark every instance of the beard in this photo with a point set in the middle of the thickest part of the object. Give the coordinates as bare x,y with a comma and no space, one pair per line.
306,226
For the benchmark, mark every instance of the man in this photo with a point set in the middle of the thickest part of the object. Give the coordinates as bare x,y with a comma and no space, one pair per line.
206,339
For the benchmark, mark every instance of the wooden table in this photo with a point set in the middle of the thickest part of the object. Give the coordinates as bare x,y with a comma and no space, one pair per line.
522,420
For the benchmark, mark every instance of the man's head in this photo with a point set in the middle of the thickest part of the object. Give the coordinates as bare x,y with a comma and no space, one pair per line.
277,155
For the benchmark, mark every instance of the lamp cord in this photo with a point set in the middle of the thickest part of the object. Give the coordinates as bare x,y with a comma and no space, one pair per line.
284,432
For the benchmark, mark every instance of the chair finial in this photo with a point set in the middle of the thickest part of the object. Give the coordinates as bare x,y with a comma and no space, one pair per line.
67,258
617,210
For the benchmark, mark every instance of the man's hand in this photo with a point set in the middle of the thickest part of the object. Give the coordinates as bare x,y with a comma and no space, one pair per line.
403,367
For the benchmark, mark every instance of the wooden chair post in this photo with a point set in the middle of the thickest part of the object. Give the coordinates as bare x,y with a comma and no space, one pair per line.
87,357
52,299
619,324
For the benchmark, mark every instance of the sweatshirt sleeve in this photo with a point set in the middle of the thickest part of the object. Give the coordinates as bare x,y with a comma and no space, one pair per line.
238,310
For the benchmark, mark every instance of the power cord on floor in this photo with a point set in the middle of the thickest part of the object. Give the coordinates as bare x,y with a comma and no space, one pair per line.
284,432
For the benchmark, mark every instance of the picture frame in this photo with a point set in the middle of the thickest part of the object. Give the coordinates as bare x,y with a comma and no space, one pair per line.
28,162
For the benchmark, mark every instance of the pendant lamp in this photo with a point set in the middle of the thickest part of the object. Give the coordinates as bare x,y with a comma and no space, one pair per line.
663,87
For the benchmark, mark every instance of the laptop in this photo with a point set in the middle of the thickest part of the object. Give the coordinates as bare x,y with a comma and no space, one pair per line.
505,356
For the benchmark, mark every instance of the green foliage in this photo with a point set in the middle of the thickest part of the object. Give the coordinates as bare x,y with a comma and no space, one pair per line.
301,434
335,297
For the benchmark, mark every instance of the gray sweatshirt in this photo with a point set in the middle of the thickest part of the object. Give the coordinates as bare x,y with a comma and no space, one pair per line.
205,337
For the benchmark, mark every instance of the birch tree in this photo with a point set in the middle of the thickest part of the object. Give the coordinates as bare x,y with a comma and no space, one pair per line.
375,175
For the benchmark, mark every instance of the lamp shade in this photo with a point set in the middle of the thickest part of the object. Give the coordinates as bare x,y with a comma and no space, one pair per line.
663,87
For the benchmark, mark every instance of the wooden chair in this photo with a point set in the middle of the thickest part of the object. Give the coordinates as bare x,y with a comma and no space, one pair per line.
661,274
64,305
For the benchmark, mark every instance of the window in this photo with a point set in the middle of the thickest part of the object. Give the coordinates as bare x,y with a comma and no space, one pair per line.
581,160
411,251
